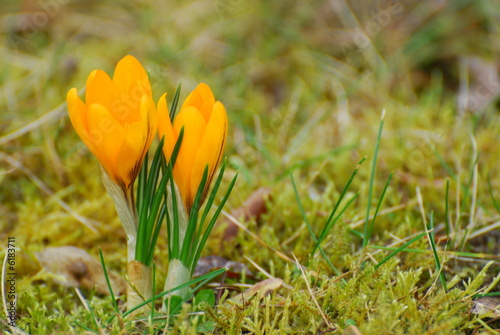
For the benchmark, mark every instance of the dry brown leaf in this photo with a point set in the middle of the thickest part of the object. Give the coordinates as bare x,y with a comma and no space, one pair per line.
206,264
484,84
74,267
261,289
485,305
253,207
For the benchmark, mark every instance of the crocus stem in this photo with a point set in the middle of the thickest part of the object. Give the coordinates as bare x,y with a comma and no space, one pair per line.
139,284
177,275
139,275
125,208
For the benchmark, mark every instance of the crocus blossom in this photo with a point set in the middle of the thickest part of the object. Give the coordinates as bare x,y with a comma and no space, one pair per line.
205,128
118,119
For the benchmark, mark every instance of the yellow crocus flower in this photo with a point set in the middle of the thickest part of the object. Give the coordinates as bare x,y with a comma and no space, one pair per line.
205,129
118,121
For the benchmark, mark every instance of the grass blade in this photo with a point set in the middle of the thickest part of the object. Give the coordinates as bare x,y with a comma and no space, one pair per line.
175,101
306,220
395,252
329,224
108,282
372,181
451,253
147,190
446,213
201,243
156,233
432,242
378,208
141,187
211,199
188,242
491,294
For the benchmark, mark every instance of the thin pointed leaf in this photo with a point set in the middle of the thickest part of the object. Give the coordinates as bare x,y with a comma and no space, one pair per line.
141,187
177,147
434,252
108,282
203,241
145,214
446,213
154,173
211,199
173,227
193,220
156,233
306,220
175,101
331,224
152,219
327,226
395,252
372,180
378,207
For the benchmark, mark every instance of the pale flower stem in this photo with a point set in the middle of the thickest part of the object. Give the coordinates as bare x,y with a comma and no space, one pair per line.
177,275
139,285
139,275
125,207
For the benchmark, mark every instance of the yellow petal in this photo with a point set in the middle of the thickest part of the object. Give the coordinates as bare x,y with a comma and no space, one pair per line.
100,90
131,81
165,127
90,78
107,135
211,149
194,126
137,139
201,98
129,73
131,156
149,114
78,116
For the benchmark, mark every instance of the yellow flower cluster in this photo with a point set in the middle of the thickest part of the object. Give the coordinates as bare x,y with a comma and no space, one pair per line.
119,120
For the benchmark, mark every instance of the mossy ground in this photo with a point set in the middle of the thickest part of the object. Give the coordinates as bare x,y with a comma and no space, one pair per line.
304,84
